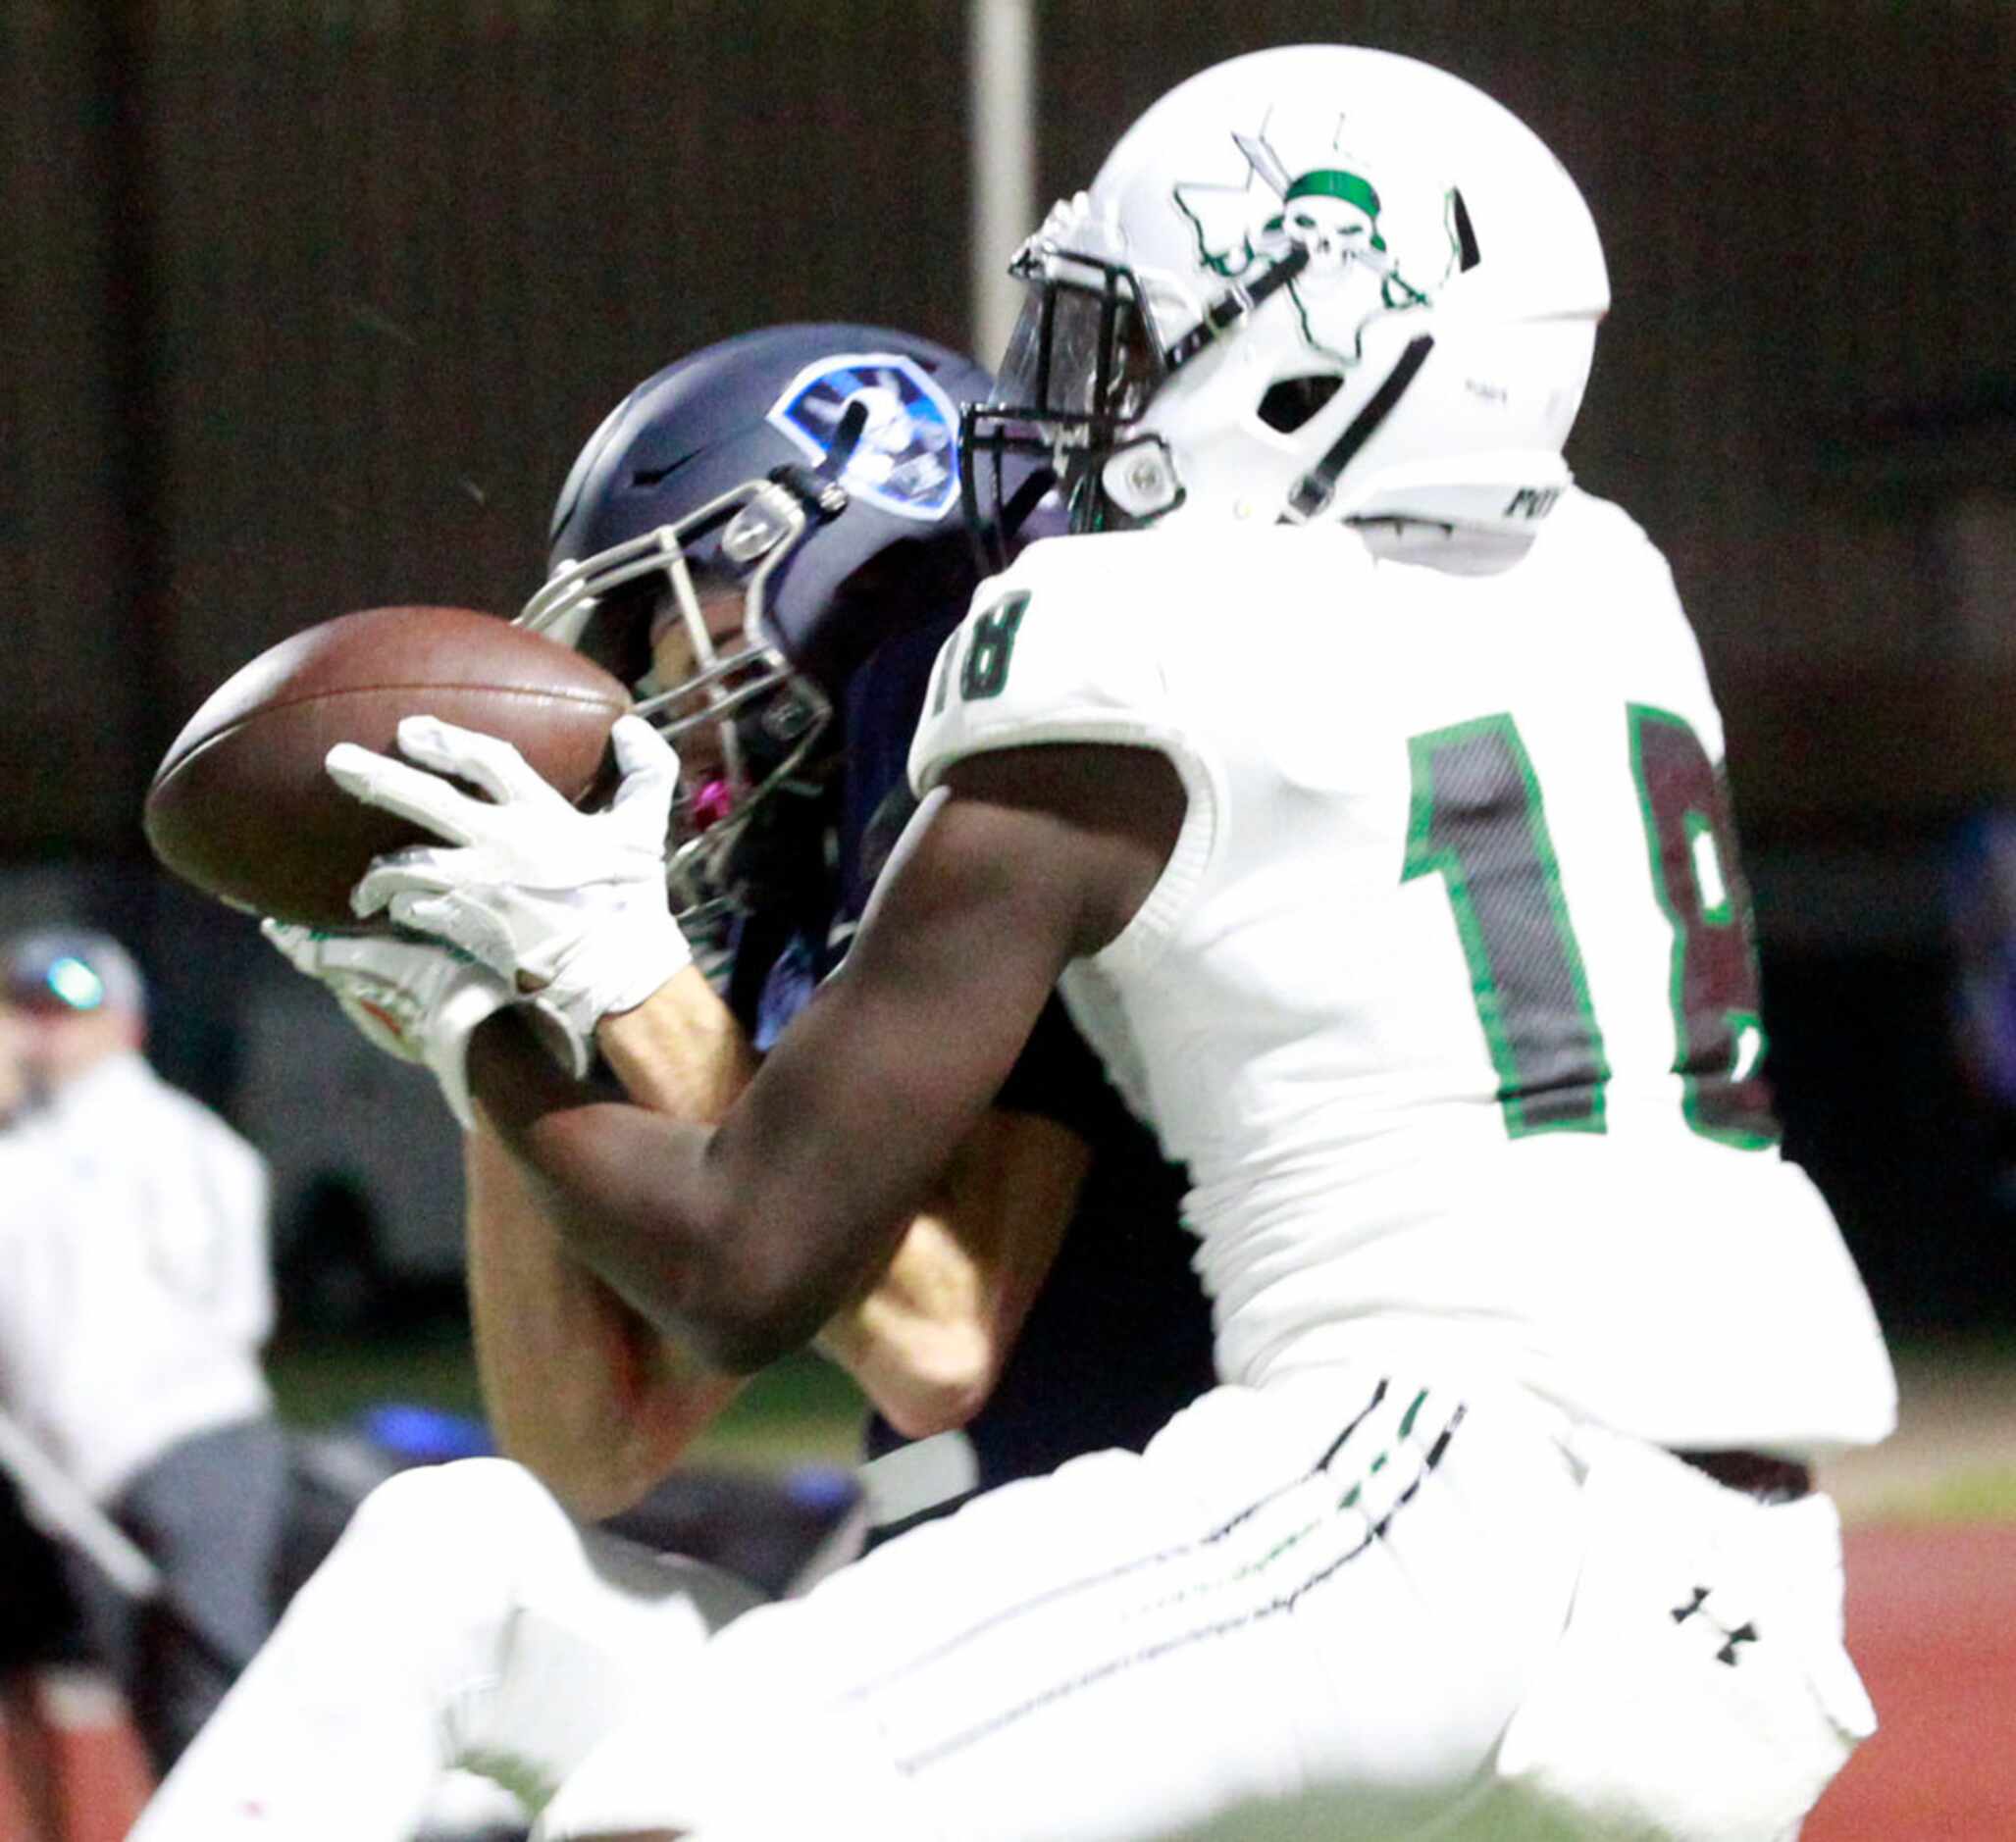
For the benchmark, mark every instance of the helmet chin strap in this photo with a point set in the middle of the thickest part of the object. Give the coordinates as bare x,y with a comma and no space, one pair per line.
818,488
1234,305
1311,495
1026,499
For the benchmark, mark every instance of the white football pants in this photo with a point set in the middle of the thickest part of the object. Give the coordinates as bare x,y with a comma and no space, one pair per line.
1362,1605
461,1621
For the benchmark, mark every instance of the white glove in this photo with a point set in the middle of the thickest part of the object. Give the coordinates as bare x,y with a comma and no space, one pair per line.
569,906
416,1000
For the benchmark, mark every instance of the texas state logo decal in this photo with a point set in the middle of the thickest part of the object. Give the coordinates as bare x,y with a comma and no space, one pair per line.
1289,184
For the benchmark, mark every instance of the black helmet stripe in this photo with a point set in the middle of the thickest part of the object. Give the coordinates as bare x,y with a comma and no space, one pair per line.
1311,493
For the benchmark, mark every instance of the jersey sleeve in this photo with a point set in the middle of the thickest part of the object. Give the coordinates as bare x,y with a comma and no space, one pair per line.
1049,652
1070,645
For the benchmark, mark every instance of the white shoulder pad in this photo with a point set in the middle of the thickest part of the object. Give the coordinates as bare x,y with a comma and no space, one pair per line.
1056,649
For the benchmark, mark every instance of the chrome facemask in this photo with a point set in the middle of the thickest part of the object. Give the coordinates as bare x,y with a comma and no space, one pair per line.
756,718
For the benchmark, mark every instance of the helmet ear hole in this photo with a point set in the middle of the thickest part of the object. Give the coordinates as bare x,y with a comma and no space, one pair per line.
1293,401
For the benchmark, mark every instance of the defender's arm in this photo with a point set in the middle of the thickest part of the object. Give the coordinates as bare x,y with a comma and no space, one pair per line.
750,1237
598,1401
579,1387
929,1341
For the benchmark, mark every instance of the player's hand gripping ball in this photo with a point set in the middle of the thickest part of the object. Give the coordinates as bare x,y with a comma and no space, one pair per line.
243,807
569,906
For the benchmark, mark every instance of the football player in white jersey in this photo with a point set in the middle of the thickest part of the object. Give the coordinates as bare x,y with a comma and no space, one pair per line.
1358,780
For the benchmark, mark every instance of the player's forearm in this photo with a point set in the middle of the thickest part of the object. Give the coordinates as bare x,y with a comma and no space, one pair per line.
928,1344
681,1053
577,1387
582,1388
918,1344
627,1194
751,1239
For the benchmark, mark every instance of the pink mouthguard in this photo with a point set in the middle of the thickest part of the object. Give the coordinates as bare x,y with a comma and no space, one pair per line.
712,803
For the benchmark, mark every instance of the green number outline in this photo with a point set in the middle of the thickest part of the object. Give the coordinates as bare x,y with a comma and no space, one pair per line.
1729,912
1426,857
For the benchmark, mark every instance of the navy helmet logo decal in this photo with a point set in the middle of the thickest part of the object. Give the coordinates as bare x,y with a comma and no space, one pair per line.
906,460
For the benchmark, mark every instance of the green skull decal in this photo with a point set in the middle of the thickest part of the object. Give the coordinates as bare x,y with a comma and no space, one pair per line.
1331,211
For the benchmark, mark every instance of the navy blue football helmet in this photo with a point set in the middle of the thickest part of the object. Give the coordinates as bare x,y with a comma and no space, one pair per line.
743,531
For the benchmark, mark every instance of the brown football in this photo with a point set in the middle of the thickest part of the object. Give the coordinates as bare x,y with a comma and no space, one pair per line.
242,806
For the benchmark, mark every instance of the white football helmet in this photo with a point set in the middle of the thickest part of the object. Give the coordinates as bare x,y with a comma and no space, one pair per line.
1317,282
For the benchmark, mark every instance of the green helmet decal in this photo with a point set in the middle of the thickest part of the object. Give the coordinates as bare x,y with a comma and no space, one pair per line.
1334,182
1330,210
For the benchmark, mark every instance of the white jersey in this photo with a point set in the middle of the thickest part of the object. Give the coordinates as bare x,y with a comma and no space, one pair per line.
1446,997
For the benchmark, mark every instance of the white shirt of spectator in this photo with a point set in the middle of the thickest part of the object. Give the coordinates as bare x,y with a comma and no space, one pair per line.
135,1273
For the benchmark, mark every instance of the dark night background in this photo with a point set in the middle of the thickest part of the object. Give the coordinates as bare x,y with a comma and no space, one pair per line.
307,306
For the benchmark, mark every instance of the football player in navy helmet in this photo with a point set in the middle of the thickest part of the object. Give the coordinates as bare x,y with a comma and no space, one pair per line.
745,530
766,540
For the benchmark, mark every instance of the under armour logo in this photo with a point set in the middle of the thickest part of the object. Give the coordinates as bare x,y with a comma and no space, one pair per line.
1744,1633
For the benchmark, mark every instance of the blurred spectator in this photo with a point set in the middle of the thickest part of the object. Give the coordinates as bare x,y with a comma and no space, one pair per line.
135,1294
33,1623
